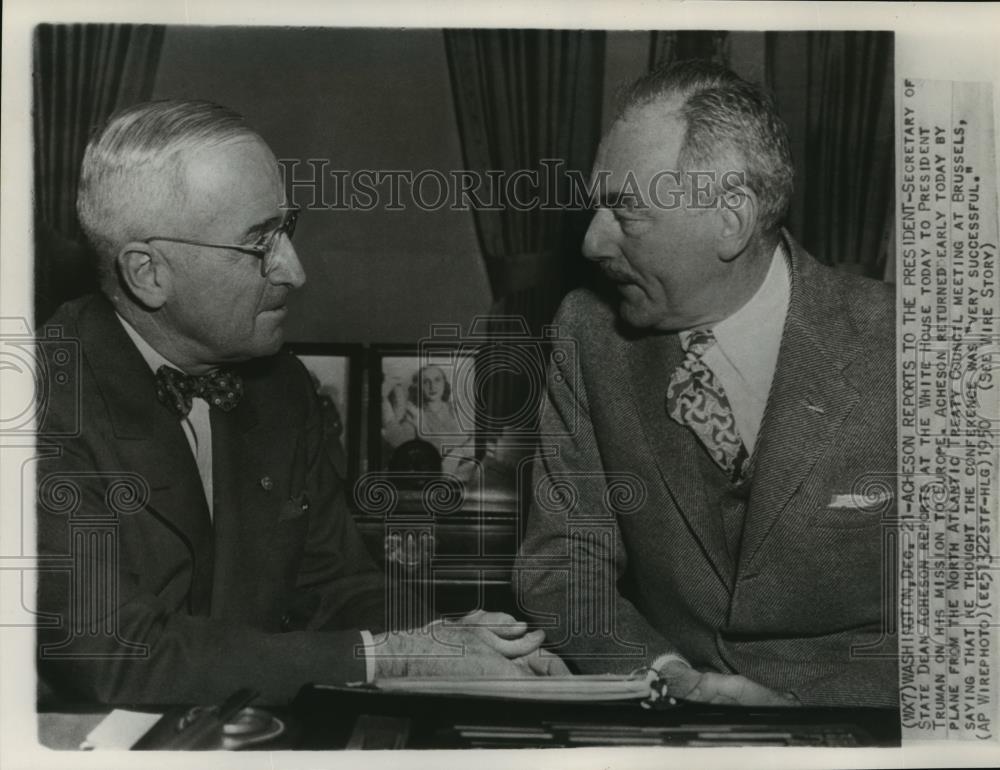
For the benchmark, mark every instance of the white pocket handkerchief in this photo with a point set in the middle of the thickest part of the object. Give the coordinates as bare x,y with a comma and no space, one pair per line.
874,500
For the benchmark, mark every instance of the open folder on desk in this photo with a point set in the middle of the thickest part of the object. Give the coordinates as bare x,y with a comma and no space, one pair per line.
596,687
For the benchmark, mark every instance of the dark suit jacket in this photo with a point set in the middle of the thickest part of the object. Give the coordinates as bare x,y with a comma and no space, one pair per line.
150,602
803,606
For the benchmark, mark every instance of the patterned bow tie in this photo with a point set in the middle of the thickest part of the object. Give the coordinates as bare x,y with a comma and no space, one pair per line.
221,388
696,399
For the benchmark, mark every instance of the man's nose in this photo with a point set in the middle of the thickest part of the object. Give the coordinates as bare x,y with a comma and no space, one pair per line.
287,270
598,243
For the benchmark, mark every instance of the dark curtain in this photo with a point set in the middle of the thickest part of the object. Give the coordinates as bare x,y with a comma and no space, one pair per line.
667,47
82,74
835,90
521,97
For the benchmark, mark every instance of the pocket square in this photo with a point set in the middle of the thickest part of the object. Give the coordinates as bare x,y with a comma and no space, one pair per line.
296,506
876,500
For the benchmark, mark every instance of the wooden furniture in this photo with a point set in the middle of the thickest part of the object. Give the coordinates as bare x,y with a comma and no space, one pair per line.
454,555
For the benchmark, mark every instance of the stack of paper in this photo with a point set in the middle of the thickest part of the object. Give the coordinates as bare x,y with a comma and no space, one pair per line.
571,688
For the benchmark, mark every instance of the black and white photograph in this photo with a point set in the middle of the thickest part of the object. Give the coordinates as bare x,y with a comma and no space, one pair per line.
503,383
426,410
332,369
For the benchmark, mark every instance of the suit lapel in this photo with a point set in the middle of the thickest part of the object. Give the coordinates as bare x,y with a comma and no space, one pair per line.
151,440
809,400
652,360
241,513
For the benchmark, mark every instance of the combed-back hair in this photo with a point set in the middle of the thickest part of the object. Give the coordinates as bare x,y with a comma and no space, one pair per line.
727,120
133,166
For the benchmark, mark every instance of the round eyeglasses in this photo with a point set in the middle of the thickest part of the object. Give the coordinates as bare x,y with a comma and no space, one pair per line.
264,249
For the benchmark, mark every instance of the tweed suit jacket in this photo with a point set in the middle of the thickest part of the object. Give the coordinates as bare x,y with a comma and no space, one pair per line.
620,578
177,607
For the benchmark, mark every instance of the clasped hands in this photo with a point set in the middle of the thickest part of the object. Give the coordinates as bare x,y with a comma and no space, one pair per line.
481,644
494,645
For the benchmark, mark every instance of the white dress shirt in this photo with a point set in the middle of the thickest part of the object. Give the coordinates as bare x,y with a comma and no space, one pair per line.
197,425
746,351
198,431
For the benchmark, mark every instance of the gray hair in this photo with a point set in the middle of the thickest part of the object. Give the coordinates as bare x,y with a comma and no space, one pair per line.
132,167
726,119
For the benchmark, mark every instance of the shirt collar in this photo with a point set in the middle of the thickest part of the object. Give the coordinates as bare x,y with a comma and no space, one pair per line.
751,337
152,358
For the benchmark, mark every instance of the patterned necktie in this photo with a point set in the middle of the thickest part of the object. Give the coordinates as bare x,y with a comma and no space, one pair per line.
221,388
695,399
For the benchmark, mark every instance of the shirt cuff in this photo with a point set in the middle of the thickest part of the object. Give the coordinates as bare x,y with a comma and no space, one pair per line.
369,645
666,658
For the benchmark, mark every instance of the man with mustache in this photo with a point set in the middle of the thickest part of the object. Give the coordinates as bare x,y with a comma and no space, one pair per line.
749,392
186,479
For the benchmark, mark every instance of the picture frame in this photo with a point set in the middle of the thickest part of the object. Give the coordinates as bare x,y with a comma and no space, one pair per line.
424,420
337,371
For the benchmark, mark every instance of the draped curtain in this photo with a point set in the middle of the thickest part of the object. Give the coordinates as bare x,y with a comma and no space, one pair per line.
82,74
666,47
835,90
524,97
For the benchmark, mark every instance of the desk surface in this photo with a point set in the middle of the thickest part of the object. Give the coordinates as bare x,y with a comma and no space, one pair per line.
338,718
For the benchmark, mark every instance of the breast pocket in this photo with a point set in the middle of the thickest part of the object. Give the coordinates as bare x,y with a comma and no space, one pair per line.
848,518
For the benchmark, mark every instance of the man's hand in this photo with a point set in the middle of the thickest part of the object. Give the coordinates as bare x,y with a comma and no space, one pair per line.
481,644
688,683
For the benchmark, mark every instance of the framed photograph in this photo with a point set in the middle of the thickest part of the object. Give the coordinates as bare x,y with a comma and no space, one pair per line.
423,413
336,374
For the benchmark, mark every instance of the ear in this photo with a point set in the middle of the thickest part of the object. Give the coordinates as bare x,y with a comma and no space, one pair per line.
737,216
145,274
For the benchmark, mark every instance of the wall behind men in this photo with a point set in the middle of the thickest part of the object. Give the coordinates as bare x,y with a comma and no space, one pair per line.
627,58
364,99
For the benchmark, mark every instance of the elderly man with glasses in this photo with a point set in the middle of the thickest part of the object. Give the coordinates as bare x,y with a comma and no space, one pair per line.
199,533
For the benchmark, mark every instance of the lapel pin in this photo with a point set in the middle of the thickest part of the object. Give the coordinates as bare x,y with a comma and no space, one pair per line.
266,484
